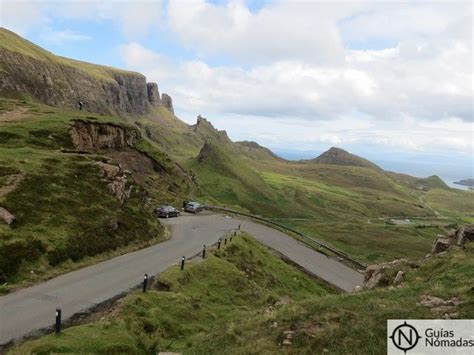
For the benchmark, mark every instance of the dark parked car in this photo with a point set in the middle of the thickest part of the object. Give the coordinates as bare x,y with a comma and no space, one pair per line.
193,207
167,211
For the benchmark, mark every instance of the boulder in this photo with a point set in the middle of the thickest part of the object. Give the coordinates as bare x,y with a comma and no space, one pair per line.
437,304
461,236
116,180
108,171
464,235
441,244
399,277
6,216
375,279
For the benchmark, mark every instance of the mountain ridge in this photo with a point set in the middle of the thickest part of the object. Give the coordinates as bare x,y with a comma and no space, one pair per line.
65,82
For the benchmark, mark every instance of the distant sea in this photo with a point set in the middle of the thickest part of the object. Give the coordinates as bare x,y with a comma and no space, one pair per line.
448,173
448,169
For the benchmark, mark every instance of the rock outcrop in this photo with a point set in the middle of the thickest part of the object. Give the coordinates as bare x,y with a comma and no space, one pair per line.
388,273
6,216
167,102
60,84
64,82
458,238
391,273
153,94
99,136
116,180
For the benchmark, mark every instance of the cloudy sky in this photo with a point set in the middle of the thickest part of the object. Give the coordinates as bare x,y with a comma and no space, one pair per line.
389,80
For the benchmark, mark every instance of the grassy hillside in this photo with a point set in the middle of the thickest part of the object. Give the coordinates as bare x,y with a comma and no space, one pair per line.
65,213
14,43
341,199
338,197
242,280
338,156
244,300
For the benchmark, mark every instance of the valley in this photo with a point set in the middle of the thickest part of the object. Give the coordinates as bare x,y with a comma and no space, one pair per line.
79,186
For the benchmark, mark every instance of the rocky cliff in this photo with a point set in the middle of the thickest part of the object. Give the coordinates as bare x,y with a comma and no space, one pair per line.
28,69
96,136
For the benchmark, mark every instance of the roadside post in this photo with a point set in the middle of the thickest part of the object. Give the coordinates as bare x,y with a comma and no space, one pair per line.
219,243
182,263
225,241
145,282
204,251
57,327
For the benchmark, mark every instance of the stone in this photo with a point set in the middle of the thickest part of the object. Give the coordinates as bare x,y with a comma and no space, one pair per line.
441,244
108,171
6,216
458,238
399,277
357,288
167,102
439,305
375,278
286,342
116,180
432,301
98,136
464,235
153,94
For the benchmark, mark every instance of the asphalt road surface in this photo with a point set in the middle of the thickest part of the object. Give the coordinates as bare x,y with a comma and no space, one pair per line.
25,311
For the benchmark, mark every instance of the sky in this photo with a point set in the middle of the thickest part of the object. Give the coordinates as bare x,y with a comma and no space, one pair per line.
392,81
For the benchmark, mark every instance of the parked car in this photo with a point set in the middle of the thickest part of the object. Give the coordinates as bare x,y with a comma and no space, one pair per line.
167,211
193,207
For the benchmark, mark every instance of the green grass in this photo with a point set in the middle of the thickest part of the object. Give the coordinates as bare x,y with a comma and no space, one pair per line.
63,209
370,243
15,43
222,305
240,281
453,202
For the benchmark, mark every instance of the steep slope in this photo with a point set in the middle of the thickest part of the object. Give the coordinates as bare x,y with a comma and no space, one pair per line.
80,186
255,151
341,198
274,309
27,69
338,156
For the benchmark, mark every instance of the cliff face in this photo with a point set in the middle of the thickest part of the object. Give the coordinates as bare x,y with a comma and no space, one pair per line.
95,136
28,69
64,85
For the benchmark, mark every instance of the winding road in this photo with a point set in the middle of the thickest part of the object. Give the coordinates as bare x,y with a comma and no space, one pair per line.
28,310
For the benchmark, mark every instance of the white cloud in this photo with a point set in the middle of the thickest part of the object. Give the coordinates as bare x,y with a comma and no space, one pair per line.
20,16
283,30
134,18
402,19
61,37
305,72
